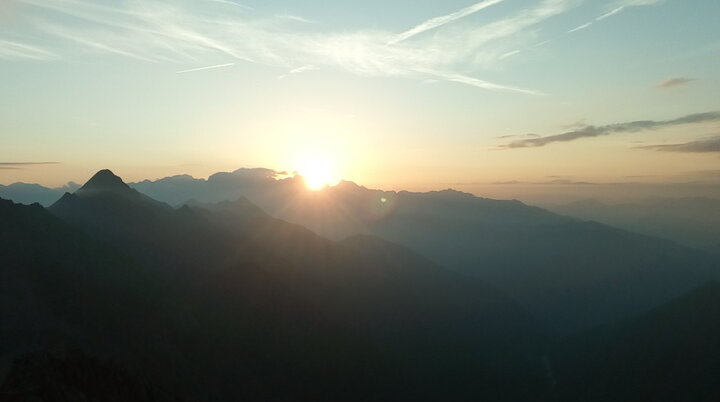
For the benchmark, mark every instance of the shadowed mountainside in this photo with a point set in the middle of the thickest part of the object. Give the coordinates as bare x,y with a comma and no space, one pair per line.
571,274
238,304
669,354
225,302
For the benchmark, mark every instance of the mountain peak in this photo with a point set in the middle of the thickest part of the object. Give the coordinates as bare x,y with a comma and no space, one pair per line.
105,180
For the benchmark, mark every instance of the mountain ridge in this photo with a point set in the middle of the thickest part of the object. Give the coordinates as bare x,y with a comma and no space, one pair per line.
361,285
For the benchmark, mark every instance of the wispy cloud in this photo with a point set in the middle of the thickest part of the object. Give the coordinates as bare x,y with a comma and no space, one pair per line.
556,182
618,7
516,136
509,54
506,27
629,127
231,3
702,146
581,27
443,20
462,79
294,18
27,163
12,50
674,82
299,70
205,68
22,165
610,13
192,34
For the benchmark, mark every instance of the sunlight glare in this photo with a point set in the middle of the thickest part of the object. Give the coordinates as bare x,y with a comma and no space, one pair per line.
318,171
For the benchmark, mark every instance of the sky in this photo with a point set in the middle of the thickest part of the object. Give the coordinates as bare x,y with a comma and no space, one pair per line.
497,97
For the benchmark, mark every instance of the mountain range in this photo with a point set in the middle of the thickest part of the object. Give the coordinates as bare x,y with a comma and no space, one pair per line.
236,304
569,273
693,222
266,291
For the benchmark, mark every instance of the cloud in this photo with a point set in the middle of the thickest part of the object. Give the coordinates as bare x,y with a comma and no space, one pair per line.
198,33
637,3
505,137
299,70
206,68
616,9
27,163
556,182
477,37
462,79
231,3
295,18
12,50
443,20
629,127
610,13
706,145
581,27
22,165
674,82
503,183
188,34
509,54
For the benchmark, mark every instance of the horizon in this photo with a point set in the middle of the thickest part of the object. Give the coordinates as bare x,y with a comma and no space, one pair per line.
552,191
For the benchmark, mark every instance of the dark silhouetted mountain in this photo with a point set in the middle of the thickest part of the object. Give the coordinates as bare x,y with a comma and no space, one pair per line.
571,274
105,180
693,222
229,303
669,354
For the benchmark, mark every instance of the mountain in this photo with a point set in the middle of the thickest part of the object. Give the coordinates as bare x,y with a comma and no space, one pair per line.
25,193
571,274
669,354
694,222
111,293
229,303
63,290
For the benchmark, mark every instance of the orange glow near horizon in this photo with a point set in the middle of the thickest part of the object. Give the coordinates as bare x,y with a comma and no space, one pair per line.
317,169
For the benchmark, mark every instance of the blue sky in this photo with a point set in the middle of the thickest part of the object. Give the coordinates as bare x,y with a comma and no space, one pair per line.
414,94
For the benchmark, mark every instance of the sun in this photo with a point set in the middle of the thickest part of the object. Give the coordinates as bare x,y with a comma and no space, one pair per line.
318,171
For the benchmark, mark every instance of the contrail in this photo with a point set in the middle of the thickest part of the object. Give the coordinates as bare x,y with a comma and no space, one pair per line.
442,20
232,3
610,14
476,82
205,68
581,27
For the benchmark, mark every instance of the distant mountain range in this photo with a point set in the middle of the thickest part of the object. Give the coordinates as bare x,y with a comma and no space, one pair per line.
693,222
569,273
25,193
217,299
